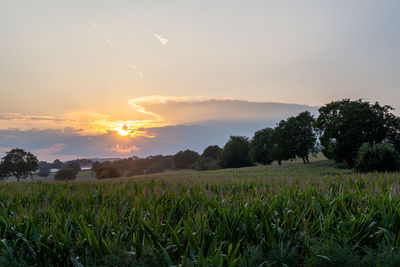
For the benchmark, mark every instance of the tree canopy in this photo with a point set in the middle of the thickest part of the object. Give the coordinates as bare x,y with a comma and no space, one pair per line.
235,153
345,125
261,146
212,152
18,163
186,159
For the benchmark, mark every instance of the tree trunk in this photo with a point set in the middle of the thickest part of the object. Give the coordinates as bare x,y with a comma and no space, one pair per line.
304,160
308,161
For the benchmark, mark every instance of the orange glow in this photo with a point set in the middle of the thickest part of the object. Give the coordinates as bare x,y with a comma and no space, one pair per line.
123,130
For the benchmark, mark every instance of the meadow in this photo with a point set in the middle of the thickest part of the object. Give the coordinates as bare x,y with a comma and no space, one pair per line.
289,215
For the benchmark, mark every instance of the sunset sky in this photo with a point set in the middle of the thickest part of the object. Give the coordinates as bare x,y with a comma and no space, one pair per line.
124,78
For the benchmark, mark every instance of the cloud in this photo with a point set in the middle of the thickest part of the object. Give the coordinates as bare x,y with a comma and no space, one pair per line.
171,124
25,117
66,145
123,149
51,150
163,41
49,153
180,110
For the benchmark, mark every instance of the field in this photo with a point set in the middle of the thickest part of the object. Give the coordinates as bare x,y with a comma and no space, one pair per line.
290,215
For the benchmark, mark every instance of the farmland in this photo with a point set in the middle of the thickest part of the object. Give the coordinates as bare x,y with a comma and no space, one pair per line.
294,215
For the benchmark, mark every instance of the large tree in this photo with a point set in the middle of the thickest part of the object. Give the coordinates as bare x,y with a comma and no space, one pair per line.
294,137
19,163
236,153
304,136
284,143
345,125
261,146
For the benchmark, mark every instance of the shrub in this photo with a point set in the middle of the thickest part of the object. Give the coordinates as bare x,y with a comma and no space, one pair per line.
65,174
378,157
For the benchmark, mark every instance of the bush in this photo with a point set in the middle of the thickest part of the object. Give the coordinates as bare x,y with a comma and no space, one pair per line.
65,174
380,157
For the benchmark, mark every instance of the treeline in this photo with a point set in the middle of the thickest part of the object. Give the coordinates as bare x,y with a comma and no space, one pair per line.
355,134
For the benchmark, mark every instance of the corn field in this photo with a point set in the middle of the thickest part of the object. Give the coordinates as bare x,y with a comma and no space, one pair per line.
346,220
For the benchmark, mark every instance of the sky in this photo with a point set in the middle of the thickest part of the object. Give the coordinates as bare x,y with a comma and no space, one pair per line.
123,78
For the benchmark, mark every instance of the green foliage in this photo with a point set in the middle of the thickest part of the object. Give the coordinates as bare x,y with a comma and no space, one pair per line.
19,163
65,174
186,159
294,137
345,125
241,222
381,158
303,135
236,153
261,146
212,152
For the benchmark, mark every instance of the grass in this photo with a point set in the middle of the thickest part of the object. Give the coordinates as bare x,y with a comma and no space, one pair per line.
291,215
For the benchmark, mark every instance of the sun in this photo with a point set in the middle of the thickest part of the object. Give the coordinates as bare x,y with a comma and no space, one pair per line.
123,130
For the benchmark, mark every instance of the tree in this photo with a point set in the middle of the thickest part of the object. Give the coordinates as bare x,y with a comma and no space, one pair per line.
236,153
208,159
212,152
345,125
65,174
284,143
73,165
261,146
57,164
18,163
186,159
44,171
304,136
